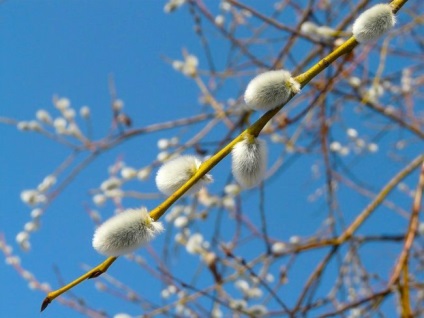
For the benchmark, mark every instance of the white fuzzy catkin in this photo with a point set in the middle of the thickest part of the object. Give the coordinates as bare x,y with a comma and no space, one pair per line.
174,173
373,23
249,161
270,89
125,232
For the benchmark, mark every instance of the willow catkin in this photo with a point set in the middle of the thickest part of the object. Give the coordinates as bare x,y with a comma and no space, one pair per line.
270,89
249,158
176,172
373,23
125,232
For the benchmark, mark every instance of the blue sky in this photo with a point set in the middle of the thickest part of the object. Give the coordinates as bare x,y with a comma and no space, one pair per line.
70,48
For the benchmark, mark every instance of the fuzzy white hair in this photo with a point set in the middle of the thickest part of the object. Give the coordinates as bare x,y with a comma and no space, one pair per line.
270,89
373,23
125,232
176,172
249,158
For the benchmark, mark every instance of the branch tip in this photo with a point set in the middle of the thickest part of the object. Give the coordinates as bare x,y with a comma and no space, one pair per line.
45,303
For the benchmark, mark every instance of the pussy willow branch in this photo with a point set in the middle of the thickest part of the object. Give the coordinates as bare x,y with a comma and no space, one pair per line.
401,267
410,236
254,130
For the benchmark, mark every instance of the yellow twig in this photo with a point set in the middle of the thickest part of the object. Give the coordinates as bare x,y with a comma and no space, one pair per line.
405,304
94,272
379,198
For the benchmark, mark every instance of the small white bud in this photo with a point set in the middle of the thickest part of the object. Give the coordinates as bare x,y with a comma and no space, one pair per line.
122,315
278,248
60,125
242,285
372,147
194,244
269,278
117,105
257,310
173,5
219,20
175,211
12,260
238,304
163,143
128,173
163,156
74,130
352,133
344,151
36,213
270,89
172,289
47,183
354,81
295,240
85,112
34,126
373,23
176,172
32,285
62,103
309,28
144,173
229,203
27,275
21,237
165,293
325,32
190,66
125,232
216,313
69,114
178,65
421,229
181,221
335,146
43,116
254,293
232,189
225,6
29,196
360,143
406,80
23,126
99,199
110,184
249,158
174,141
31,226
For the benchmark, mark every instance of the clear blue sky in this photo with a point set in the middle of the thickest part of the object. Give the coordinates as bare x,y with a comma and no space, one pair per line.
69,48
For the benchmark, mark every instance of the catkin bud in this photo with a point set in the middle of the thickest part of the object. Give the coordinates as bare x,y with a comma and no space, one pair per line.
176,172
373,23
125,232
270,89
249,161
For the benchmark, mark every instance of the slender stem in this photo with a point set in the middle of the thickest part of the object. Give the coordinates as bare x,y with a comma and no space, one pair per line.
379,198
94,272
